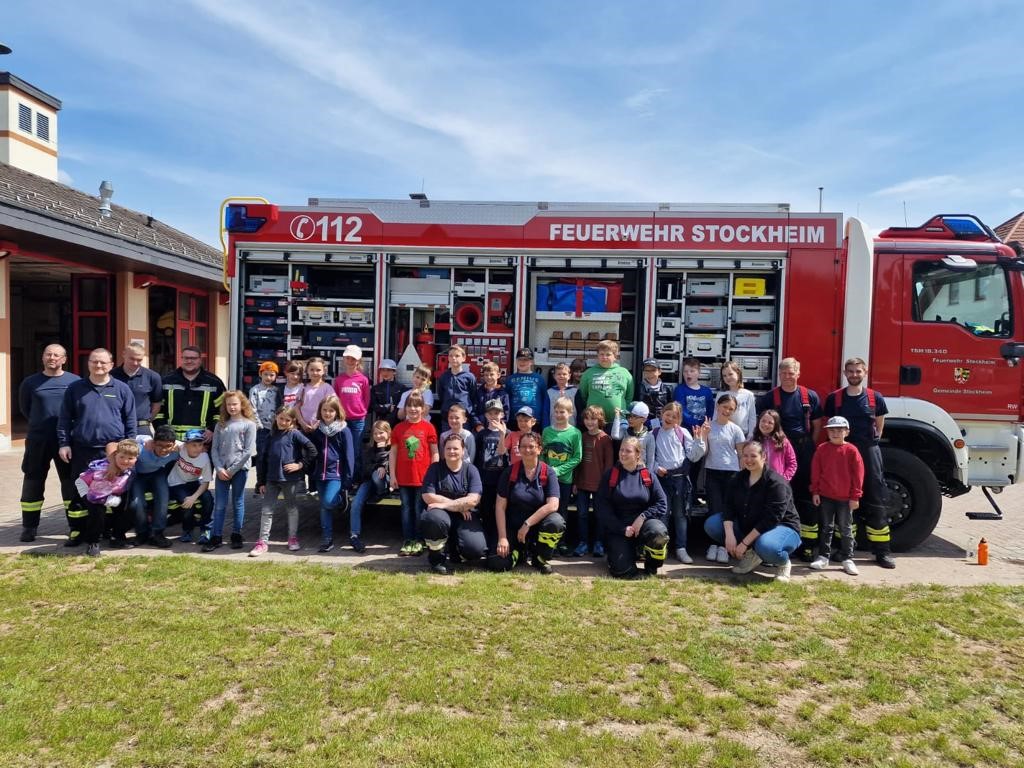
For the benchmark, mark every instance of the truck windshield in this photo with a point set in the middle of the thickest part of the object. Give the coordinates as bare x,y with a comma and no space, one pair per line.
978,300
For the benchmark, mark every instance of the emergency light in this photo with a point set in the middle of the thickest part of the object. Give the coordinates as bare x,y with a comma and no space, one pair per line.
237,219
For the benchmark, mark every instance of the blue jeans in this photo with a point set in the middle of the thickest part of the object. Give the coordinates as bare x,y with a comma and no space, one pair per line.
412,508
677,494
221,489
367,490
773,546
156,484
330,497
357,427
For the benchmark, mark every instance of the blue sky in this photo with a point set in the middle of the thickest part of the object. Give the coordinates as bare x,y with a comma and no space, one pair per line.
182,103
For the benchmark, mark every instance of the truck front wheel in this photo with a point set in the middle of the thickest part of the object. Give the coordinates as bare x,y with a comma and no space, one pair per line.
915,501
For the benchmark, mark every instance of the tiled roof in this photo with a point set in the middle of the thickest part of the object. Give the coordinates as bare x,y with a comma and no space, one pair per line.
59,201
1012,230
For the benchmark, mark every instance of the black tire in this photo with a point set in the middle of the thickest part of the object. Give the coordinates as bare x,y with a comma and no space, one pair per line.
915,501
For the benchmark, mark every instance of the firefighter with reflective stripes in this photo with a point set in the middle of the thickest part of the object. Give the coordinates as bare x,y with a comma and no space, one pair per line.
192,397
865,409
526,511
40,397
800,413
451,524
632,508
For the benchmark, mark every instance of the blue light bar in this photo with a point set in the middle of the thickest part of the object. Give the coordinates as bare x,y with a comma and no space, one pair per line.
236,219
965,226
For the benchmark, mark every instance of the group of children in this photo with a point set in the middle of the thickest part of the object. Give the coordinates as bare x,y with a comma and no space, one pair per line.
307,433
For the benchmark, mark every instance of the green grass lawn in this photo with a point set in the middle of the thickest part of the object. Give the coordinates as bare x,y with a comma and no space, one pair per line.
177,661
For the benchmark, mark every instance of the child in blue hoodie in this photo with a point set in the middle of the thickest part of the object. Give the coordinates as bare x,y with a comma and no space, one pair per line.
335,466
457,384
526,387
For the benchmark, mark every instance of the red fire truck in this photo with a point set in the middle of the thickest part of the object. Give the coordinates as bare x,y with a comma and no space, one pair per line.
932,308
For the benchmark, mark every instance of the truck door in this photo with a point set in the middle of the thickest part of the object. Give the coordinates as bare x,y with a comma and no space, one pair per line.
958,320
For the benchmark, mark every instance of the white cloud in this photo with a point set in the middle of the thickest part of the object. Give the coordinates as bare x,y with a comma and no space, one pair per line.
922,186
643,101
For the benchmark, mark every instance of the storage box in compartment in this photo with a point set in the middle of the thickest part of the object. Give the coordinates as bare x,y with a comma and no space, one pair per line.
749,286
266,323
711,287
670,327
266,304
317,314
262,354
753,339
666,346
711,318
753,314
669,366
356,317
704,345
339,283
710,376
268,283
335,337
754,367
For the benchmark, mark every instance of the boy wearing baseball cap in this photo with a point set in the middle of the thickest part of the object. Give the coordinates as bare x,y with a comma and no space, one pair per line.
188,486
837,477
385,394
526,387
654,392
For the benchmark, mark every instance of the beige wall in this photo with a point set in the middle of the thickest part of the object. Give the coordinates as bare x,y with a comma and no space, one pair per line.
132,314
6,391
22,149
220,335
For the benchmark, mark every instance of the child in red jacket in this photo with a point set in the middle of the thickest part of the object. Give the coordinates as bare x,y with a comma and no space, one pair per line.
837,480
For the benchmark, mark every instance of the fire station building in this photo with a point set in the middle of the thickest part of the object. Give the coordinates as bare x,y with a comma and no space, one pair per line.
80,271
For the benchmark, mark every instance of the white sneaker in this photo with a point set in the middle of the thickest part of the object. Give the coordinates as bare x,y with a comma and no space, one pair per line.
850,567
683,556
784,571
749,562
723,555
820,563
712,554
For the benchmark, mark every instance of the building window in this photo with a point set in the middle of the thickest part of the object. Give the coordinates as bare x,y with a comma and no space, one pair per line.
42,126
25,118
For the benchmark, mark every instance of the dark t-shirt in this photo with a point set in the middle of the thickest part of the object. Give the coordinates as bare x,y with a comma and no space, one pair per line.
855,409
146,385
791,409
526,496
488,460
441,480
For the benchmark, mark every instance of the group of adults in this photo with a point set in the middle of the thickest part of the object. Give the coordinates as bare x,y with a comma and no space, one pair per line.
72,419
766,517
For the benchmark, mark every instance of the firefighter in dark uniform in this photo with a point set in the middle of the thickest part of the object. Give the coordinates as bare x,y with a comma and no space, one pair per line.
800,412
95,411
451,524
526,511
865,409
632,508
144,383
40,397
192,397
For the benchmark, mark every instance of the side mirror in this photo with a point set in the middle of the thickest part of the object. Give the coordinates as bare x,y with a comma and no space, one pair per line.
1013,351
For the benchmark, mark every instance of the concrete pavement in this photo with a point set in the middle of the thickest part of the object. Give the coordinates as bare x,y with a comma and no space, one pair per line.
940,560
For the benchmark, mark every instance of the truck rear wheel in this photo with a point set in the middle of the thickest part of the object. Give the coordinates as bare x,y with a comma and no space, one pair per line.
915,501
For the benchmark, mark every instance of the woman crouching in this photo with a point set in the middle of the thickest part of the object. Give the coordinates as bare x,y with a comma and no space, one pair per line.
451,524
632,508
527,509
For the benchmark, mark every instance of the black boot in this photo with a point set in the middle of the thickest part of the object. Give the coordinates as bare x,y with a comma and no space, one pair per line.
28,533
438,562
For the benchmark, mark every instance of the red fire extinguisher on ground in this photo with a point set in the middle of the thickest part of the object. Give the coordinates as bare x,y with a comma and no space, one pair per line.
426,348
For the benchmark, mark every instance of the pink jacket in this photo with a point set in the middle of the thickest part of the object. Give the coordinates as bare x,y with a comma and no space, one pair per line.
353,390
782,460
